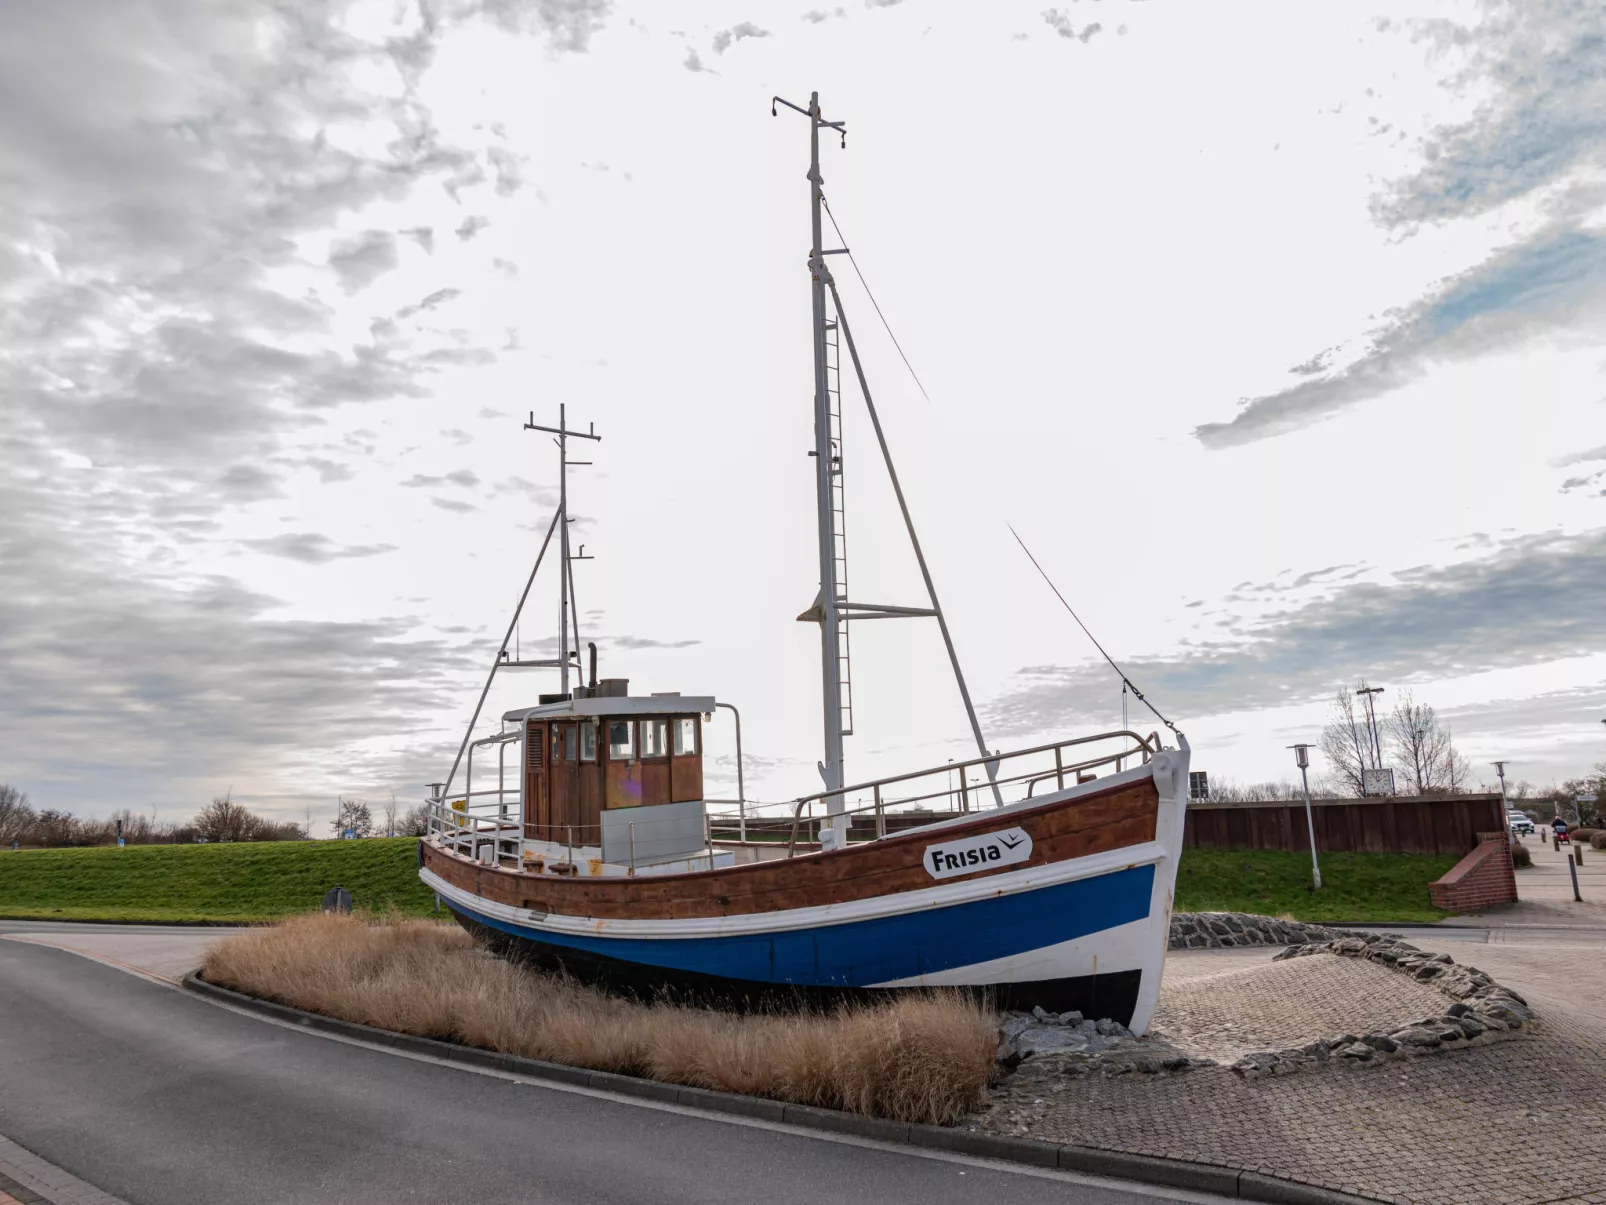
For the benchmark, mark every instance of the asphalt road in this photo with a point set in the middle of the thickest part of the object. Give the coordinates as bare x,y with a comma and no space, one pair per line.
162,1098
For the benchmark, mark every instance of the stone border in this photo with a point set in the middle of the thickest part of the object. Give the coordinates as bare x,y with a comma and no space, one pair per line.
1220,930
1483,1011
1241,1184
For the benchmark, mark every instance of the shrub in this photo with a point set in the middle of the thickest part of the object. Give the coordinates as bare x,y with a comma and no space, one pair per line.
1584,834
1520,855
916,1058
1598,841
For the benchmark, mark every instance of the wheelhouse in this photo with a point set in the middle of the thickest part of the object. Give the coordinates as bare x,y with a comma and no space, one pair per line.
583,757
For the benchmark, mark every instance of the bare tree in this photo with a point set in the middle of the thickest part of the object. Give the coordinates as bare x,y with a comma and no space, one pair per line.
415,823
353,815
16,814
1347,744
225,820
1423,750
389,812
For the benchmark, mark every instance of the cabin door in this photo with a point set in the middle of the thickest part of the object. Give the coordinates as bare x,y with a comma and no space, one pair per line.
537,792
564,774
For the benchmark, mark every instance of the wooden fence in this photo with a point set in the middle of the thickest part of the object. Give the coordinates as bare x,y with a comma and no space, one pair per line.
1447,824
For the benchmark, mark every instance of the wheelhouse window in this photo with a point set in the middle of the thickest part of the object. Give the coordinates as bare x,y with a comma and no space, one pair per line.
685,736
570,741
655,738
588,740
621,740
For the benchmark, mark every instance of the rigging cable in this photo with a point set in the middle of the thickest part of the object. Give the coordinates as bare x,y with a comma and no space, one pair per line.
1125,681
843,240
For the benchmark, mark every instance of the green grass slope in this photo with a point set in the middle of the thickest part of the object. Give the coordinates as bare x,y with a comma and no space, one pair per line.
248,881
1359,887
258,881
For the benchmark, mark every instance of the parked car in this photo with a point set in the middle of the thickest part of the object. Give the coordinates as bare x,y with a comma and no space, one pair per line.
1519,822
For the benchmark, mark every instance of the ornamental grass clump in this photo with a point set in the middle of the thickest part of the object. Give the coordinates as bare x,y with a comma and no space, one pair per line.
915,1058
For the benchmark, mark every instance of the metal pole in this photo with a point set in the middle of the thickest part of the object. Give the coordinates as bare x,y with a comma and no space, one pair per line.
914,542
1572,869
563,548
1310,825
741,789
499,650
830,655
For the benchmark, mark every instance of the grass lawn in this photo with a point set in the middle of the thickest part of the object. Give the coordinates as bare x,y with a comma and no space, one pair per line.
1363,887
256,881
249,881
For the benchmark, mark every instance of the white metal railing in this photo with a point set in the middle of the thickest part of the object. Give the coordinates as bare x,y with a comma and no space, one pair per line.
982,782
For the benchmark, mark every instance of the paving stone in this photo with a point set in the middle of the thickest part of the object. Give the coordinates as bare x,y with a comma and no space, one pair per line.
1521,1122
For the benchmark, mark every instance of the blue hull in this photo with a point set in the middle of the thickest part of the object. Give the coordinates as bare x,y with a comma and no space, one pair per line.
858,958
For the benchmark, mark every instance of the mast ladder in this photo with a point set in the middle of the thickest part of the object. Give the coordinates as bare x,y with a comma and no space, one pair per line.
833,378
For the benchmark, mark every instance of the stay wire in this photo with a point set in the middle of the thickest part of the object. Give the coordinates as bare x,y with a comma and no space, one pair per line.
1125,681
887,325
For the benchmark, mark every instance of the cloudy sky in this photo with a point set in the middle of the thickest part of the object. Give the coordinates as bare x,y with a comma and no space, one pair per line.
1275,330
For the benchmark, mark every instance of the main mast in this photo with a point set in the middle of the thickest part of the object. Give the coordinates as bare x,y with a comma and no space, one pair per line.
833,609
826,463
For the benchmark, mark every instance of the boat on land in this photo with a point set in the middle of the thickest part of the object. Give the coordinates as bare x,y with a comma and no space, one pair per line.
1040,876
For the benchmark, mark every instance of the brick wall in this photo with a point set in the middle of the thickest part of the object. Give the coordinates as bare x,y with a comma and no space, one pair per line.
1482,879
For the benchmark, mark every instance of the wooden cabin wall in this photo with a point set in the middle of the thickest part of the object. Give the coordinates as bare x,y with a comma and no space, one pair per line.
559,792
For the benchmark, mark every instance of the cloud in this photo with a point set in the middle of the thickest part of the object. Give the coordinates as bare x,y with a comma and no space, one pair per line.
1539,133
1580,457
1541,68
568,24
1554,279
248,483
453,505
724,38
1060,23
463,477
641,642
313,548
148,223
815,15
471,226
364,258
438,298
693,61
1535,599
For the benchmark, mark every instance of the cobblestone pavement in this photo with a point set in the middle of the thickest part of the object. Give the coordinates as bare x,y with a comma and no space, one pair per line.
1272,1007
1521,1122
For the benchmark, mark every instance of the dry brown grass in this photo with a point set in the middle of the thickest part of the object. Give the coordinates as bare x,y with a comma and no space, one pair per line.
918,1058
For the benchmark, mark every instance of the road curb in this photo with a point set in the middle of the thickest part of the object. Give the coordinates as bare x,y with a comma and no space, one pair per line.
1144,1169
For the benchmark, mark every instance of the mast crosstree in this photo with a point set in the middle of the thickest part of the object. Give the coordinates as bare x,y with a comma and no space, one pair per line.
833,610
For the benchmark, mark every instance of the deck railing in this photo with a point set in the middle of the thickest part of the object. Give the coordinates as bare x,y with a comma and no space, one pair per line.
982,783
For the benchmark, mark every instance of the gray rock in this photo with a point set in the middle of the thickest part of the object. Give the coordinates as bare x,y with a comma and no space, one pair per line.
1071,1018
1417,1037
1015,1025
1381,1042
1049,1040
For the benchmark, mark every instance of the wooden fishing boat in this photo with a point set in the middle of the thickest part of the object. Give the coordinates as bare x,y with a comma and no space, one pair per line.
1038,876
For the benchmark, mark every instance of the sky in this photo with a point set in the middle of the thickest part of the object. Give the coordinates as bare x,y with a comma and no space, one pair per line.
1275,331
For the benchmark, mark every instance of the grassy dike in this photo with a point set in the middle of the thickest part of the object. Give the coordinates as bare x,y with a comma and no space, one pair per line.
261,881
249,881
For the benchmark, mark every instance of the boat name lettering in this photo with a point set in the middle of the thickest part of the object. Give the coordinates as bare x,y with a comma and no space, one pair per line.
970,854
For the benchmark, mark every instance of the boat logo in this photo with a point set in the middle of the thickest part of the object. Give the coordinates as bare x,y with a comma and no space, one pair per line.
970,854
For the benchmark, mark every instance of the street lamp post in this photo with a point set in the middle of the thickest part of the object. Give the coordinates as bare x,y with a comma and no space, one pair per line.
1302,760
1371,692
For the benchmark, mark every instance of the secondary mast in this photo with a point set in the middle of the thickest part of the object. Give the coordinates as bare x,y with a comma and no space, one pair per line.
566,571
